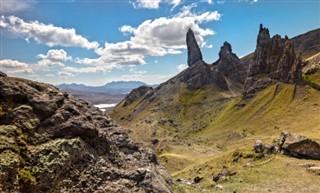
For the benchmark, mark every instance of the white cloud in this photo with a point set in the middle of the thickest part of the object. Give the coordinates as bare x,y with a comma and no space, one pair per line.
13,6
65,75
158,37
148,4
74,70
53,58
153,4
210,2
50,75
55,55
134,74
21,71
15,67
6,63
182,67
45,33
248,1
49,63
126,29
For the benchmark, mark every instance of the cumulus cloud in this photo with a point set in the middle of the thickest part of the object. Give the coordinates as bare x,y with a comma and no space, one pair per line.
158,37
53,58
153,4
65,75
248,1
84,70
45,33
15,67
182,67
13,6
55,55
134,74
50,75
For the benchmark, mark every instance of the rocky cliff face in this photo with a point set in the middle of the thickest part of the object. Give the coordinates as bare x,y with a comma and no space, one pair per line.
227,70
273,60
194,53
137,93
51,142
230,65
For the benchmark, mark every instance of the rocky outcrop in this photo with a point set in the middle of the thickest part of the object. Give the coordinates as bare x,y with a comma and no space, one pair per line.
51,142
2,74
274,60
230,65
299,146
136,94
223,174
227,70
194,53
260,147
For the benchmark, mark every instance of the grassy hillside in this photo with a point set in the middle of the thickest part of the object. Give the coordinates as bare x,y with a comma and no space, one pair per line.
200,132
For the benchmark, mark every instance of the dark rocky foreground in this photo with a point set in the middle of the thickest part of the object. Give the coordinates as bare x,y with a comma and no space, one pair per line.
51,142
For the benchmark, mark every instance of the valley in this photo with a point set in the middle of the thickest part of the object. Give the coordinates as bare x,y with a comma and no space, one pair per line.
200,130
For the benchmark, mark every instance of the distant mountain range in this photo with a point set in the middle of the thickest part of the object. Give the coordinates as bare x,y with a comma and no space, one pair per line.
115,87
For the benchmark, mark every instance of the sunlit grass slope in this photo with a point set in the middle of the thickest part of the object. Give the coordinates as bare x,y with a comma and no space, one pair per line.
200,132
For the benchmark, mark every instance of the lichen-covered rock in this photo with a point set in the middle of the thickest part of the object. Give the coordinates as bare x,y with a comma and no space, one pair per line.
274,59
299,146
51,142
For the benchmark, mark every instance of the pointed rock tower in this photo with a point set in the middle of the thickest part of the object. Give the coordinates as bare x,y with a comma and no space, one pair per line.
230,65
194,53
274,60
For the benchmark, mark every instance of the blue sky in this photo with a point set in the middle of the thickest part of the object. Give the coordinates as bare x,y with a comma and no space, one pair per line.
95,42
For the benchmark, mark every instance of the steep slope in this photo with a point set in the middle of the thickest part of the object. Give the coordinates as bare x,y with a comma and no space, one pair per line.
308,44
184,95
206,127
51,142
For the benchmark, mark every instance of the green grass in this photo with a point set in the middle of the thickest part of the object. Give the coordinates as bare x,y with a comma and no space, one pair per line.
207,131
26,177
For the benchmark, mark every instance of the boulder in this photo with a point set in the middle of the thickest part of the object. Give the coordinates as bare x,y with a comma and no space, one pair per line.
260,147
315,170
223,174
52,142
299,146
197,179
2,74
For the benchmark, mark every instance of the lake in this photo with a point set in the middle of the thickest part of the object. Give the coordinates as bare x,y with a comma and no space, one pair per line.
106,107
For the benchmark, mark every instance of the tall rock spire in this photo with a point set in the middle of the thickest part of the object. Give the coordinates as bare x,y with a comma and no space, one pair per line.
194,53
